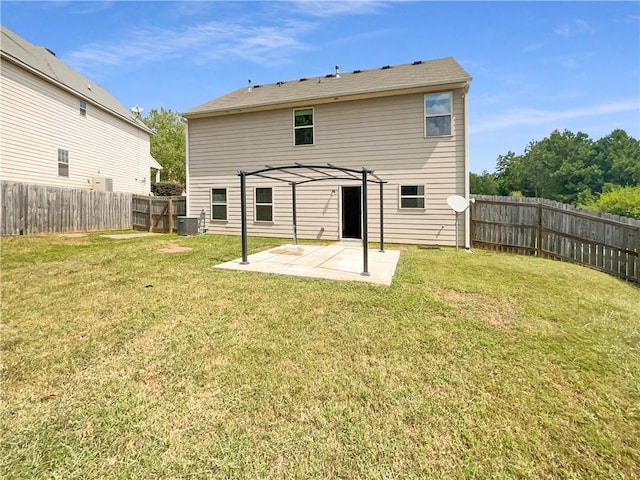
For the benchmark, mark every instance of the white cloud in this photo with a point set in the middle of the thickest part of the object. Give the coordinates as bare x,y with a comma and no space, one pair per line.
319,8
262,44
524,117
574,28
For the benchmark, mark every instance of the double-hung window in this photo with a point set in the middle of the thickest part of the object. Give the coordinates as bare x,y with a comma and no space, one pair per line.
437,108
63,163
218,204
303,126
411,196
83,108
263,207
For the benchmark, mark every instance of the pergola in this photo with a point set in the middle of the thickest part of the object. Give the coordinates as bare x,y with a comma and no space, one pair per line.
314,173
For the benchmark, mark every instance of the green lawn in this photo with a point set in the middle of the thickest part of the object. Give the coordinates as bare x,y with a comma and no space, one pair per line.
121,362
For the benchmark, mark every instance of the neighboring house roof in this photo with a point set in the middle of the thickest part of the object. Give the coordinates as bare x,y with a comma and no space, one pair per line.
154,163
45,64
388,80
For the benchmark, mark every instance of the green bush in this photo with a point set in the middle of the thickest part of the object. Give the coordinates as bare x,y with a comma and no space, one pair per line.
166,189
624,201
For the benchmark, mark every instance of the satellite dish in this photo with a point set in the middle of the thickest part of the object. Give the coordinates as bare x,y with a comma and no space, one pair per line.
457,203
136,110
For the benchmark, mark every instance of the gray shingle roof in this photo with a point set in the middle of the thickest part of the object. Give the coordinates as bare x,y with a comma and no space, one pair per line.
389,79
19,50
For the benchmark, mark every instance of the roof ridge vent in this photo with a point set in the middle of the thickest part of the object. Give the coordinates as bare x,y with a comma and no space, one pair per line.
303,79
329,75
417,62
357,71
50,51
386,67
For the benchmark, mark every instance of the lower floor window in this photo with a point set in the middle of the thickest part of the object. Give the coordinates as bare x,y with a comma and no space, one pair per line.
263,204
218,204
63,163
411,196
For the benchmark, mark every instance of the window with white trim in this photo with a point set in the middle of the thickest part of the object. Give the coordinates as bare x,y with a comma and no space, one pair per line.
63,163
218,204
437,111
263,206
83,108
303,126
411,196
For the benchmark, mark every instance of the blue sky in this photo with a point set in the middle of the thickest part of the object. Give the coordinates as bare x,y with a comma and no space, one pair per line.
536,66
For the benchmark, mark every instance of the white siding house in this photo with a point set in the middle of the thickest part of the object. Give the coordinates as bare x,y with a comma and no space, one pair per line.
59,128
407,123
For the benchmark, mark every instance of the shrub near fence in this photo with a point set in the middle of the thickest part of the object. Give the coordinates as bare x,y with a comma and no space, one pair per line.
536,226
30,209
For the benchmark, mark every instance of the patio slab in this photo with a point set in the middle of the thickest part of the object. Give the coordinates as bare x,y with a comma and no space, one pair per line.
336,262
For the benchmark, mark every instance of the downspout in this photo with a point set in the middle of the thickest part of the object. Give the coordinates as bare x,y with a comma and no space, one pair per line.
186,144
467,213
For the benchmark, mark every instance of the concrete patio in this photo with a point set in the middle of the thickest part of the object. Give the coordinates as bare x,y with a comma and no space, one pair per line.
336,262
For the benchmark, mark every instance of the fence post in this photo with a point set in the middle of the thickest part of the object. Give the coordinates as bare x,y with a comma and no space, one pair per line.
170,215
150,215
539,232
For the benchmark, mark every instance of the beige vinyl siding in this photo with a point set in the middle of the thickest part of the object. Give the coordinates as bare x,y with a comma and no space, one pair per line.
38,118
383,134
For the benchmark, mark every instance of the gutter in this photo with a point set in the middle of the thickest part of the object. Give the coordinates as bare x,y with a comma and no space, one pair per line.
467,213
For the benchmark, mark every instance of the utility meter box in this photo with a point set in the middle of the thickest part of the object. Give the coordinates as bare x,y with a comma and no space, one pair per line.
187,226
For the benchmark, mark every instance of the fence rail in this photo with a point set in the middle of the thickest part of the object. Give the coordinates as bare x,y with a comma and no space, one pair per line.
536,226
29,209
157,214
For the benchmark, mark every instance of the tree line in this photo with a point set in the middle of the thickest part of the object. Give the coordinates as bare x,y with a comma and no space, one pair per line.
571,168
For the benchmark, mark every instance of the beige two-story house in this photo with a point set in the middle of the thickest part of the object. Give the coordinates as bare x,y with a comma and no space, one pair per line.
59,128
406,123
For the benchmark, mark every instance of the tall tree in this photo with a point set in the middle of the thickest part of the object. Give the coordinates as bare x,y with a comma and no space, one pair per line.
484,184
618,155
168,145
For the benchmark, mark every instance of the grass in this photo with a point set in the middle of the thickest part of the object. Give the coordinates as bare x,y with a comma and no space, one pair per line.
121,362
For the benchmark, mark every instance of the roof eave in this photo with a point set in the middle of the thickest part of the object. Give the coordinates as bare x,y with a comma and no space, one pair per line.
217,112
53,81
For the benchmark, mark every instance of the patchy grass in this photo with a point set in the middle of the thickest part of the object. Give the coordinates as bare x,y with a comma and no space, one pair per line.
121,362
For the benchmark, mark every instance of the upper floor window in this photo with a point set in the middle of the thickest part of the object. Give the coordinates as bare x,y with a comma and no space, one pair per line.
63,163
437,108
411,196
303,126
218,204
263,204
83,108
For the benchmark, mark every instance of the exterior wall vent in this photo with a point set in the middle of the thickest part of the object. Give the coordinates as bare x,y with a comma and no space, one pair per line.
102,184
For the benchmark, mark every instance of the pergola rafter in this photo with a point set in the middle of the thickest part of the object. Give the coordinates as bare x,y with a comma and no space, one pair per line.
325,172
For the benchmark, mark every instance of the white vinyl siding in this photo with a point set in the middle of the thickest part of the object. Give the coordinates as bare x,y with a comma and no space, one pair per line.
383,134
101,144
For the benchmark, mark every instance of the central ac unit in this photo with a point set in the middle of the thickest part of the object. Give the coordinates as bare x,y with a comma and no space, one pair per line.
102,184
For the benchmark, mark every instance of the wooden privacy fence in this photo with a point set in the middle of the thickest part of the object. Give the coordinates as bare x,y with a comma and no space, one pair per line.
157,214
536,226
29,209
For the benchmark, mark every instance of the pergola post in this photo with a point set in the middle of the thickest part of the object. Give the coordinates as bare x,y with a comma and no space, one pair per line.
381,217
243,216
295,219
365,226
